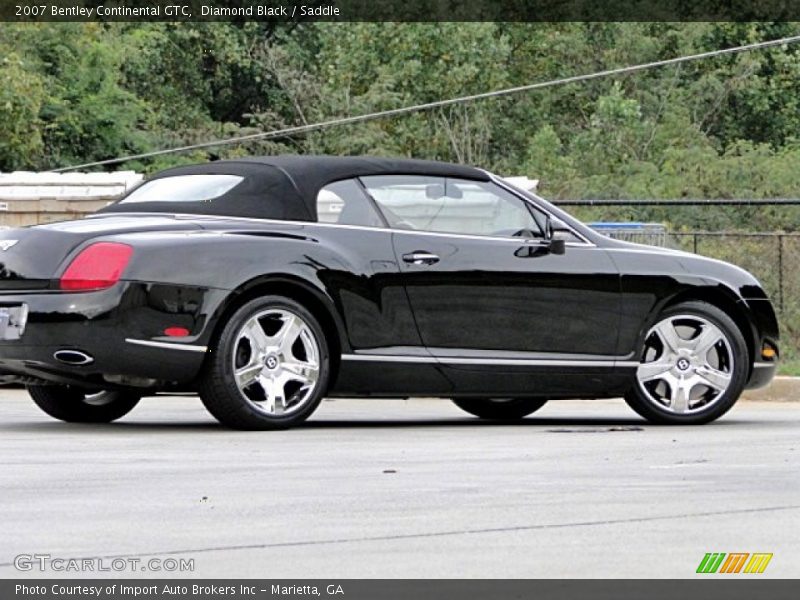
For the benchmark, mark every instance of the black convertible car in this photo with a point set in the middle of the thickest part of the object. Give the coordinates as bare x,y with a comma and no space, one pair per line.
264,284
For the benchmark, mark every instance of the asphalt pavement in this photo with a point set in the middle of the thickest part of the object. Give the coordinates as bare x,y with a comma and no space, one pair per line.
378,488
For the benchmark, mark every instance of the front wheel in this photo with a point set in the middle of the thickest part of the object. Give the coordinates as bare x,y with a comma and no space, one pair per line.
693,368
499,409
269,369
74,405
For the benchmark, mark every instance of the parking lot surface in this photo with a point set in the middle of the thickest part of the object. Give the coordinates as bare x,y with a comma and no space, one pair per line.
377,488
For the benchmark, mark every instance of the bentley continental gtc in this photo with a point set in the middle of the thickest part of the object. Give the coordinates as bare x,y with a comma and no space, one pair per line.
266,284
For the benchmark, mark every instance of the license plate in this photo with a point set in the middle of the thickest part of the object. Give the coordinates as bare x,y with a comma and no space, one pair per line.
12,321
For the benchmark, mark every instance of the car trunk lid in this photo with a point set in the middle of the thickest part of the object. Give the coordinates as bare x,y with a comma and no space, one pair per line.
31,257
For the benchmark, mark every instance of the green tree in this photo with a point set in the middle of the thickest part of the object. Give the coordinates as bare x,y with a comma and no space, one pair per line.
21,98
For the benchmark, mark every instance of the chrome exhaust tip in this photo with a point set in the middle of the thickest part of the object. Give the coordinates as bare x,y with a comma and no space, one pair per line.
73,357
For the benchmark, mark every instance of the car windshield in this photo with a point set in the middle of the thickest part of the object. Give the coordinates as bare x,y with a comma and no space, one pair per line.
183,188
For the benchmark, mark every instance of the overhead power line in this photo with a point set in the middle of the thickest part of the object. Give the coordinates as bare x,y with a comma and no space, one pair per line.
684,202
289,131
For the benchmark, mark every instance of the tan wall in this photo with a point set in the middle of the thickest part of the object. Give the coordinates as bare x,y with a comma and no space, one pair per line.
28,198
19,213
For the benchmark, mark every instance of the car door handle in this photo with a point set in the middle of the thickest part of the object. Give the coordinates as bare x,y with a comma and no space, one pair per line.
420,257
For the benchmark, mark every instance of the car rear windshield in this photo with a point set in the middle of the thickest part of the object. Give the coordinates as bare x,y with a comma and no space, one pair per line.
183,188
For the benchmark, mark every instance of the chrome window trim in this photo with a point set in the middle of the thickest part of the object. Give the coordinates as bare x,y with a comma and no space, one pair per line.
512,190
300,224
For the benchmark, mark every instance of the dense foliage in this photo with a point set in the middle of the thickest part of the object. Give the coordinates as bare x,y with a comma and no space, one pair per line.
723,127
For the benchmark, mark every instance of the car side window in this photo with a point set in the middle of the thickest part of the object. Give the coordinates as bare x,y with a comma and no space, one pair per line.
345,203
448,205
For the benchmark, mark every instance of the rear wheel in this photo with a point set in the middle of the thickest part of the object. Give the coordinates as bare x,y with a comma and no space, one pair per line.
269,369
693,366
75,405
500,409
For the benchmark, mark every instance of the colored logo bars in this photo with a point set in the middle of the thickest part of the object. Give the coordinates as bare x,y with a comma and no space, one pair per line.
736,562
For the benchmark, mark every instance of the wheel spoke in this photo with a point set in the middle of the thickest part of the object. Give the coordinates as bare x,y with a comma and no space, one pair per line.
303,372
288,333
679,399
273,394
714,378
247,374
707,339
666,332
653,370
254,332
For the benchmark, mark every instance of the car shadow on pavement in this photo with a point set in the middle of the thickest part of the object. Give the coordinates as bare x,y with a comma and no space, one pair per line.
545,425
550,424
56,427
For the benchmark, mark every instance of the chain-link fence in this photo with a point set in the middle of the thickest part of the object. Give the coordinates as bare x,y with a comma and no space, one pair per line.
653,234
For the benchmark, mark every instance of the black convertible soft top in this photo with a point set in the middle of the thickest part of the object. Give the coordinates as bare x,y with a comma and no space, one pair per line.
286,187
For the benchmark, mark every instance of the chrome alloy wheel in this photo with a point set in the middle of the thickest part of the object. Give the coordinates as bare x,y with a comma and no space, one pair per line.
687,364
276,362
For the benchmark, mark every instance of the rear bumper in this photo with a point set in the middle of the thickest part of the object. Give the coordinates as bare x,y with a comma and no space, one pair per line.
120,329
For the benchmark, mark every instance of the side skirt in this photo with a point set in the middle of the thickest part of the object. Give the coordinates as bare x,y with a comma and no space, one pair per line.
413,372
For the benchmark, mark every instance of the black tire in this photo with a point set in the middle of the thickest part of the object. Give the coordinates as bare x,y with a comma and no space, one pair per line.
218,388
499,409
75,405
657,413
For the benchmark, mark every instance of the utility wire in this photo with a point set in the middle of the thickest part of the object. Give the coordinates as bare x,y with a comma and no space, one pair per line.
684,202
288,131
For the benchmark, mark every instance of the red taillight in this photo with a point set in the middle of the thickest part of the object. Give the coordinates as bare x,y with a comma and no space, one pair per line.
98,266
176,331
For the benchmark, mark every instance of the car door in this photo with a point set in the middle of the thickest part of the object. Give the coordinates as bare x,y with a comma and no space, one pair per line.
360,276
496,308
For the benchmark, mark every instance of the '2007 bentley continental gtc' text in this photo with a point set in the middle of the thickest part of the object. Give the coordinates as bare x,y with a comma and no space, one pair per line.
266,284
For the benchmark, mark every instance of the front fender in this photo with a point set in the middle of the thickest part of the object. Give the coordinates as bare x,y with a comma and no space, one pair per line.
653,278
